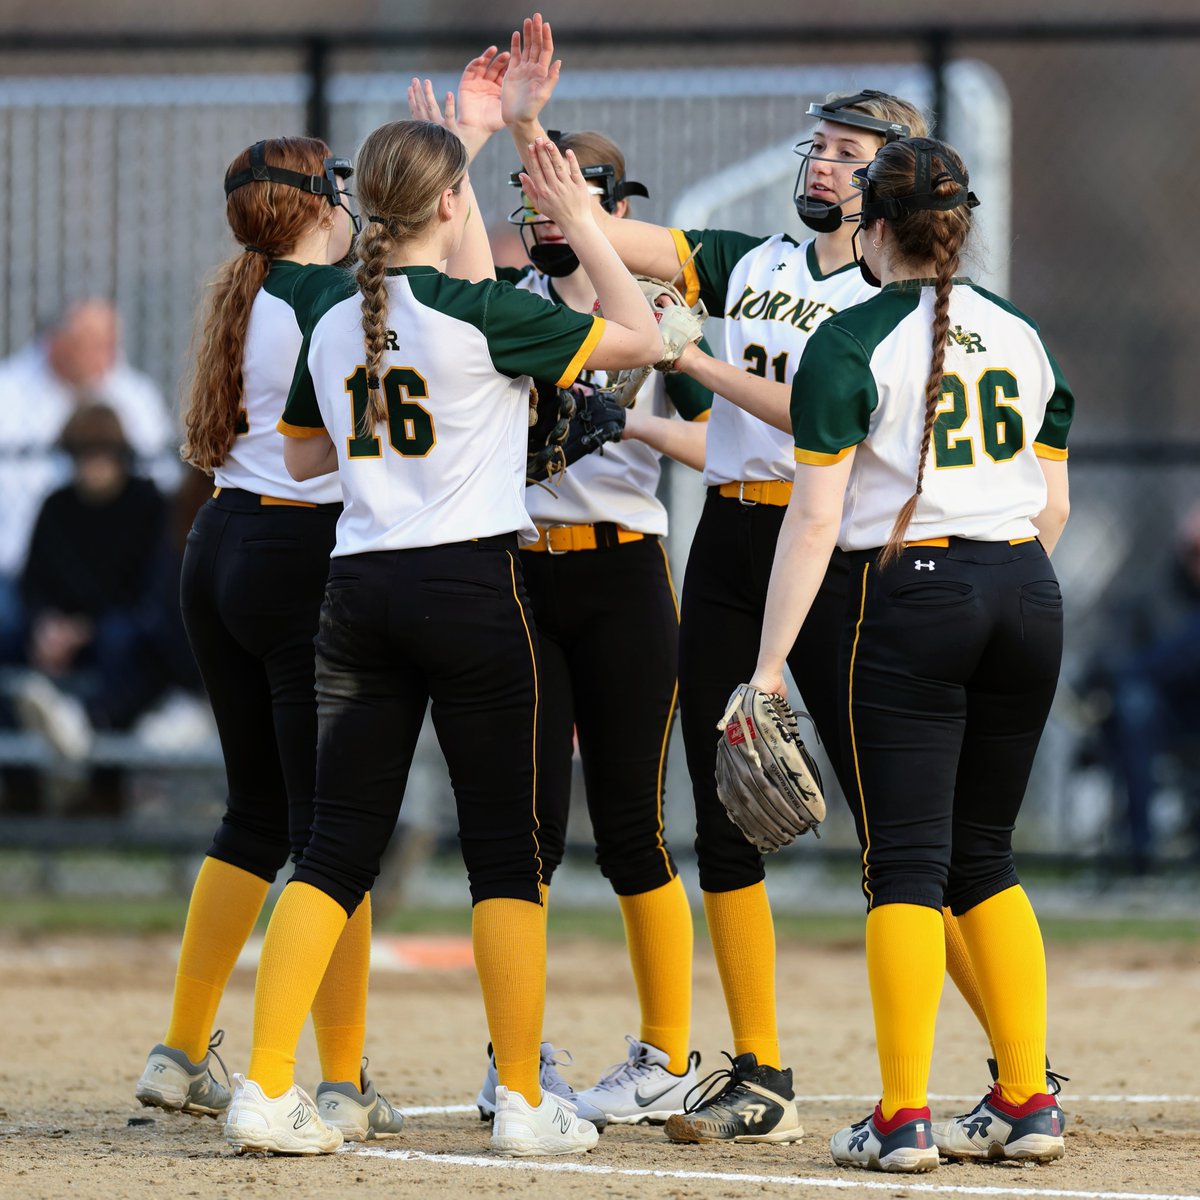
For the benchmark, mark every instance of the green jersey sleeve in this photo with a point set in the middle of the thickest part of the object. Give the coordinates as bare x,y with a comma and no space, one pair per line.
833,396
527,335
707,276
301,414
1051,441
512,274
692,400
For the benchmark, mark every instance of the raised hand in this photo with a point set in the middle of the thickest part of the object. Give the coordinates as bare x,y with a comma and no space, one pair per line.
479,91
532,72
423,105
556,187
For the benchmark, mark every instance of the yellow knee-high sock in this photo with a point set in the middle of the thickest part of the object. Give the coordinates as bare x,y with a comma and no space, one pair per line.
658,932
906,964
339,1011
743,941
960,970
303,932
509,938
1006,948
224,906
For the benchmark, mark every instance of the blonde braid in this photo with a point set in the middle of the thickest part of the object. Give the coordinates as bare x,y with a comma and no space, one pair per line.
374,246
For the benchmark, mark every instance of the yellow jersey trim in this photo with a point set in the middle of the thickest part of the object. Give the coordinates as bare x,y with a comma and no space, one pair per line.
702,416
298,431
691,277
814,458
583,353
1051,452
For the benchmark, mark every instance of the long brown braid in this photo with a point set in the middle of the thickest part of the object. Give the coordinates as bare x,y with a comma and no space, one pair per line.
267,219
925,236
402,170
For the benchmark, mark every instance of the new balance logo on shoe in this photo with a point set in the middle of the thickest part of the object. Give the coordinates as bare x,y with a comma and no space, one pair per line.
301,1116
562,1119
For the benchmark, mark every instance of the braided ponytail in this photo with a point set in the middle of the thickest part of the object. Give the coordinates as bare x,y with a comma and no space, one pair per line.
921,237
403,169
374,246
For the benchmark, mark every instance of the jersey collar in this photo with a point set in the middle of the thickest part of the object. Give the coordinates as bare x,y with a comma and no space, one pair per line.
814,267
915,285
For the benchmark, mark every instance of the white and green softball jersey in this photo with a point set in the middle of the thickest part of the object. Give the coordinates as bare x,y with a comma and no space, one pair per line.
618,482
450,463
1004,404
273,339
772,295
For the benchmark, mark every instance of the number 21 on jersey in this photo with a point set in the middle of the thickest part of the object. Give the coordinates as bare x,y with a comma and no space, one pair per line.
1000,423
410,425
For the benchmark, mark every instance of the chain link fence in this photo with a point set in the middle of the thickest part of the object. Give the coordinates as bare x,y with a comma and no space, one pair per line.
115,191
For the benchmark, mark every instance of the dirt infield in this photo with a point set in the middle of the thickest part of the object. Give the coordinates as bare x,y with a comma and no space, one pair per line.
78,1014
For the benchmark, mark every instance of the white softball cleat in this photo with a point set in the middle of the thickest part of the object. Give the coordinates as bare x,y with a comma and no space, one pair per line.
553,1127
289,1124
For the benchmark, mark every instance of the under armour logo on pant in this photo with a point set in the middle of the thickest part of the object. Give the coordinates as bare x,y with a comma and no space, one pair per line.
925,566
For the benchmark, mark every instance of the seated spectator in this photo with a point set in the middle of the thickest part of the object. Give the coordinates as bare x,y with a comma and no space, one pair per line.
76,361
1156,695
100,590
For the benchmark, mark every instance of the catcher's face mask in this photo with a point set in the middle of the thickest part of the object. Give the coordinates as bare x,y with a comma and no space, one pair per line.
328,184
923,195
822,211
557,259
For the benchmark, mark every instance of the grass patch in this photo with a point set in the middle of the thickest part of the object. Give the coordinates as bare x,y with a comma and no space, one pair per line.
40,915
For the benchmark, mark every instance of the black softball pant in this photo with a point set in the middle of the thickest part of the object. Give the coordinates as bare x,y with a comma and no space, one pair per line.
608,635
398,628
951,659
724,597
250,591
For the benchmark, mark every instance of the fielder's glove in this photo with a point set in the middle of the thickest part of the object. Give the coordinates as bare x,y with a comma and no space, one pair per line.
586,419
551,410
766,779
679,323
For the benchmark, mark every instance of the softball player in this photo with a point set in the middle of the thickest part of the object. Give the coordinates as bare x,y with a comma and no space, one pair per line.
427,429
598,577
774,293
951,640
252,580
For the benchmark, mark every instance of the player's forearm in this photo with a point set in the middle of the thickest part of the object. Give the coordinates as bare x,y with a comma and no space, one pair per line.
806,542
801,560
473,259
306,458
1052,520
524,134
644,248
762,398
636,339
684,441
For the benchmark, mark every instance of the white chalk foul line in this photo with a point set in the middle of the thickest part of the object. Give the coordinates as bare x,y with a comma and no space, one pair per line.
891,1185
437,1110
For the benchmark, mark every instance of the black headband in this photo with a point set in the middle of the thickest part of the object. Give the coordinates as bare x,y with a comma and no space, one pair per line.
317,185
923,195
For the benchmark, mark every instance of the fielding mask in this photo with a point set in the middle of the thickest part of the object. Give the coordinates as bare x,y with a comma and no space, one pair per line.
557,259
823,215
